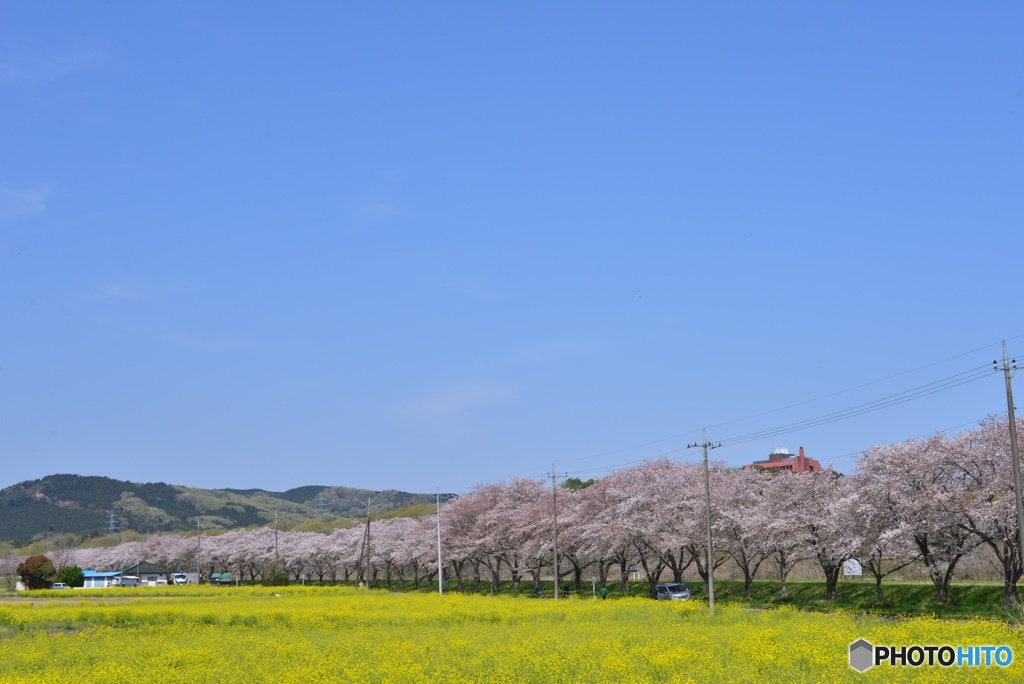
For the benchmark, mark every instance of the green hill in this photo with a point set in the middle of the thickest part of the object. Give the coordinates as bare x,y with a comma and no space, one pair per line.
81,505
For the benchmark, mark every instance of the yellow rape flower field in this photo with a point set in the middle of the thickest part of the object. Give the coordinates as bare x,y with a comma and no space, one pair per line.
325,634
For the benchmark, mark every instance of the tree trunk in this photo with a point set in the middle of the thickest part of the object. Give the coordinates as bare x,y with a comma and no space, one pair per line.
1010,595
602,572
495,569
702,570
624,572
457,566
653,575
1008,557
831,580
677,565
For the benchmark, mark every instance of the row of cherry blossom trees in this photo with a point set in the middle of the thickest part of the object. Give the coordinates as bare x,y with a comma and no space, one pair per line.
929,501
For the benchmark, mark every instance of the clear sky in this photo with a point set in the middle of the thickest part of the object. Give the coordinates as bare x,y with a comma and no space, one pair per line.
424,245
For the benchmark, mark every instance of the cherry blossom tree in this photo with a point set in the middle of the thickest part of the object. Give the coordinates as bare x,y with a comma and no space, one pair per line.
786,538
742,523
827,505
886,539
928,489
989,509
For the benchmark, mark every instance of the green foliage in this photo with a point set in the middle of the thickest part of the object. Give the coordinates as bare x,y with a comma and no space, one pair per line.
413,511
72,576
275,578
37,572
575,483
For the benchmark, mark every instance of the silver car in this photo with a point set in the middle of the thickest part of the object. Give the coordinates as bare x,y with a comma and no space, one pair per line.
672,592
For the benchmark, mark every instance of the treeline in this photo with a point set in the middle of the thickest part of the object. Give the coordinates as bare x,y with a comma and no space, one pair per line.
929,501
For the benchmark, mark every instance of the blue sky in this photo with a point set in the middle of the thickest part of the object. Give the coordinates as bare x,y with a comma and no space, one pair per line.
424,245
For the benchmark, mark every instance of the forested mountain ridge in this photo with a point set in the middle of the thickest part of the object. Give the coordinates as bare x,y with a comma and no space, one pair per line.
82,505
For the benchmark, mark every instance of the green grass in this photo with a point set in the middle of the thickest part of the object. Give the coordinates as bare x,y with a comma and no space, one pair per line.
966,599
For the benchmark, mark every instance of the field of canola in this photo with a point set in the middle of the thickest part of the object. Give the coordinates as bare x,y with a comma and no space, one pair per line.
326,634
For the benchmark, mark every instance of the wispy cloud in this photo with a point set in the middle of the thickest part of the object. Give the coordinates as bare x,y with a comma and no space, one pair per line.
374,210
128,287
453,400
119,291
21,202
41,64
206,345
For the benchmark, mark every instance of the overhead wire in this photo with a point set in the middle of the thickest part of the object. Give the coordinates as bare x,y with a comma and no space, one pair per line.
885,402
950,382
789,406
930,434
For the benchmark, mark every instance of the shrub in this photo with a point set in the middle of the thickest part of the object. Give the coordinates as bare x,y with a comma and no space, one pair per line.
37,572
72,576
275,578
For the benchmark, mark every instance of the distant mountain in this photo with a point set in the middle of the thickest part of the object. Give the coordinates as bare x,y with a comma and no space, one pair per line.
82,505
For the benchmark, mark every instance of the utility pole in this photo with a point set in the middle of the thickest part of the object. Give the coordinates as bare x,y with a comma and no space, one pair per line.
367,542
1008,368
199,552
707,512
440,565
275,544
364,553
554,521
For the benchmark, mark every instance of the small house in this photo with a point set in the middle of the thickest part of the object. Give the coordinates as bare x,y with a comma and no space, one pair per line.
148,574
100,580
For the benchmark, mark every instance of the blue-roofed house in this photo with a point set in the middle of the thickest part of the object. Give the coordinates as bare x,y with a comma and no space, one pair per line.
99,580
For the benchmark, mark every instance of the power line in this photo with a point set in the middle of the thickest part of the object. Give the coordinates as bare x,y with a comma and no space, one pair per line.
885,402
784,408
933,387
950,382
930,434
857,387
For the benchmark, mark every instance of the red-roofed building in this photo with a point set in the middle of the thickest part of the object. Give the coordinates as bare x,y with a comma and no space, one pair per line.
783,460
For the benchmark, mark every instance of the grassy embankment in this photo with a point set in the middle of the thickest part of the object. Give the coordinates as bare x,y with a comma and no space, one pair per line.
966,599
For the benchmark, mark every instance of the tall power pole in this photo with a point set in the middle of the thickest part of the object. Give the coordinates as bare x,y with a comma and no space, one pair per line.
554,522
363,576
440,565
1007,368
707,512
199,552
275,545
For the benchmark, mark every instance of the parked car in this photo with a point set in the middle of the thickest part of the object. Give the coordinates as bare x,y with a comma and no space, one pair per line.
222,579
59,585
672,592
